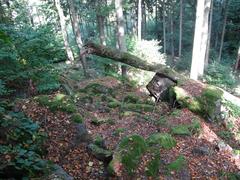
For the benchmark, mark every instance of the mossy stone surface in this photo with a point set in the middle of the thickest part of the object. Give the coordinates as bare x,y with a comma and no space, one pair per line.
164,140
77,118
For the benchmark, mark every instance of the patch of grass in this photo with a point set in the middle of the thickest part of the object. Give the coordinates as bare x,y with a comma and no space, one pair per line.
131,148
180,130
77,118
178,164
195,127
153,166
165,140
99,140
114,104
118,131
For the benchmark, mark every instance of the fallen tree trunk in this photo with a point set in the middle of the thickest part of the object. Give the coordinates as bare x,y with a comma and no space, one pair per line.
131,60
199,98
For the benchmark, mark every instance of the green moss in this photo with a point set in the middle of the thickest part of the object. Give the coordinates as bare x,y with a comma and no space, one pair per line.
180,130
165,140
98,151
83,98
96,89
178,164
138,107
60,102
114,104
97,121
153,166
131,98
131,148
77,118
98,140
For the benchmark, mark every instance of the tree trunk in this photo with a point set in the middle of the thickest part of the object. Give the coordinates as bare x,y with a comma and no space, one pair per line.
100,20
209,37
164,29
120,32
237,65
139,23
64,31
223,29
77,32
171,31
200,39
180,30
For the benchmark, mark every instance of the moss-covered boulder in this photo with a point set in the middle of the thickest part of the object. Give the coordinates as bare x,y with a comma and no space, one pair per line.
77,118
128,154
164,140
208,104
100,153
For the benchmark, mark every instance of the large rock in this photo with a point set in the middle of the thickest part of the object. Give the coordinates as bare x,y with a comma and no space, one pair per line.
159,86
82,134
59,174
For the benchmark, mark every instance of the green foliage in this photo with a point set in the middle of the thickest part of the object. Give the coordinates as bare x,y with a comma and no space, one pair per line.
165,140
98,121
178,164
60,102
96,89
195,126
176,113
227,135
235,110
131,98
131,149
162,121
77,118
98,140
23,145
138,107
220,75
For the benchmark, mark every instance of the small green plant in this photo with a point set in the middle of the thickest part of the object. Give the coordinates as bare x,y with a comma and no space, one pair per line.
99,141
178,164
77,118
111,121
235,110
195,126
165,140
97,121
131,98
118,131
162,121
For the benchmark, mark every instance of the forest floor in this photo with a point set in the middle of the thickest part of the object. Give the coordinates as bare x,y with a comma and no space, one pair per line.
203,150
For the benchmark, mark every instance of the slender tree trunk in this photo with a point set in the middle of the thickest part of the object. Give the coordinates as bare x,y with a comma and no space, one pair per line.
164,29
77,32
223,30
180,30
200,39
144,21
139,23
100,20
237,65
64,31
120,32
171,31
209,37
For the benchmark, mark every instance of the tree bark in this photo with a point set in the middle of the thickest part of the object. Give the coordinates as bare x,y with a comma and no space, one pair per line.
64,31
139,23
171,31
120,32
77,32
102,37
180,30
164,28
200,39
223,30
237,65
209,37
